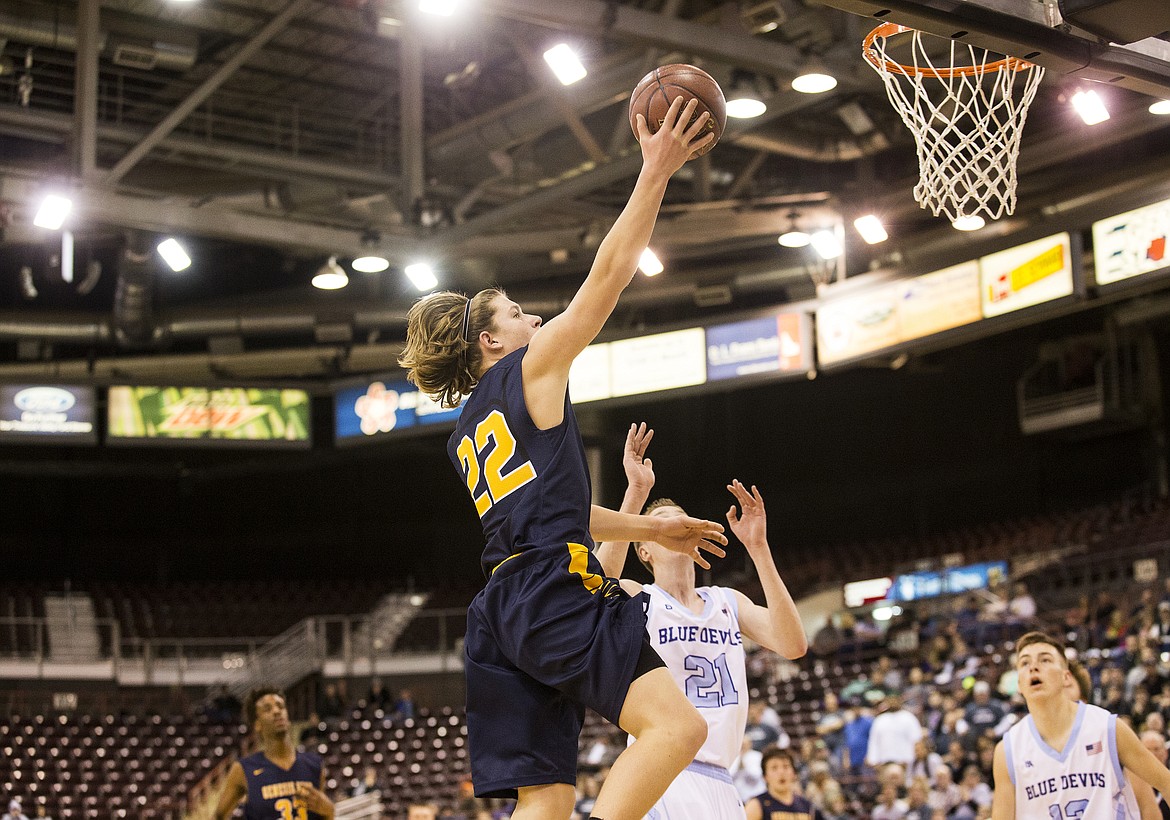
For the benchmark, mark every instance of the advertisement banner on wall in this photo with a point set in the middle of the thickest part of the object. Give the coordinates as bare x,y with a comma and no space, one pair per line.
939,301
589,376
47,414
1132,243
915,586
853,326
1026,275
662,361
371,411
769,344
264,417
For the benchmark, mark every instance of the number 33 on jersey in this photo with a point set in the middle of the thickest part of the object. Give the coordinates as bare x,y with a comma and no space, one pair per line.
485,460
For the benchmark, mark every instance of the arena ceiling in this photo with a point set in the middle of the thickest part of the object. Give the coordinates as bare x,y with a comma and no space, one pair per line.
269,135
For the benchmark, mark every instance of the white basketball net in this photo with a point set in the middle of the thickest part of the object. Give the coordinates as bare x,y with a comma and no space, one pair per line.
966,119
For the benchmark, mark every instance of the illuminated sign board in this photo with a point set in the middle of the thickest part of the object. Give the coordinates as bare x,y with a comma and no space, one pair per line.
770,344
1132,243
200,415
860,593
49,414
1026,275
370,411
662,361
915,586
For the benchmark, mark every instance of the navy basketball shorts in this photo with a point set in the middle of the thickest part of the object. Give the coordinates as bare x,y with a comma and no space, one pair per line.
548,636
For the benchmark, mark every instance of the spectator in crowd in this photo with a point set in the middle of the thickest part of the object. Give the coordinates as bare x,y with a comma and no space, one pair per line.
14,811
932,715
368,783
378,697
1156,743
915,693
925,763
858,726
831,727
891,676
748,771
917,800
820,784
889,806
1159,630
404,707
1022,606
763,727
983,714
330,704
780,797
893,735
974,795
312,733
587,790
944,792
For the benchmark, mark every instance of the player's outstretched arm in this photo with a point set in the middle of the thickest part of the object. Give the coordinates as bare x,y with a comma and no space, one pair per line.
1003,804
557,343
1146,800
639,482
234,789
1140,760
776,627
679,533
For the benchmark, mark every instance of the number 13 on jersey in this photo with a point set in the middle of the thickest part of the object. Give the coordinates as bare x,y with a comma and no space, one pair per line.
492,430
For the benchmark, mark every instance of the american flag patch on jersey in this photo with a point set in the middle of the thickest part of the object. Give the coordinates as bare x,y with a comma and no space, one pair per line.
1094,748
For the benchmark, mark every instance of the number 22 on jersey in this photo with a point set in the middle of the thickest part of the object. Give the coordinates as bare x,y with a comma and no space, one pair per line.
492,430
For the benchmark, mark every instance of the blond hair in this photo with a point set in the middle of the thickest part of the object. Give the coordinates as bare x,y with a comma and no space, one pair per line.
441,358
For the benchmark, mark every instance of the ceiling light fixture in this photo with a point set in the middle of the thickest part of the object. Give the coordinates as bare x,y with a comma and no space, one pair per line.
564,63
1161,108
744,101
826,244
871,229
421,275
1090,106
330,276
814,78
794,239
174,254
969,223
439,8
53,211
370,264
650,264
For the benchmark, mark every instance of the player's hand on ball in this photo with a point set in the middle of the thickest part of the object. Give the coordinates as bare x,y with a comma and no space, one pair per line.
674,143
691,536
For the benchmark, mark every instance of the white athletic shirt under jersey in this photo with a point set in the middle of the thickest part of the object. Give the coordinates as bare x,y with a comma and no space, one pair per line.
1084,780
705,655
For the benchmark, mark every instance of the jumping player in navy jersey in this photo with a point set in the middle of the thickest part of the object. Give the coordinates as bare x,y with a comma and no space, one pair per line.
550,634
279,782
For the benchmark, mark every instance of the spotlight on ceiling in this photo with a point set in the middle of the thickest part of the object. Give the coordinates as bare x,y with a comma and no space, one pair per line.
421,275
439,8
649,263
174,254
330,276
871,229
370,264
53,211
565,64
1161,108
1090,106
969,223
744,102
826,244
814,78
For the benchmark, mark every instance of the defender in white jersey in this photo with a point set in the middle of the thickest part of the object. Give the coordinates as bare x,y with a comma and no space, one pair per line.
699,634
1065,760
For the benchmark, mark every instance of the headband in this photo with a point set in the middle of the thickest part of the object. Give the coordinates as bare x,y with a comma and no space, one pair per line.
466,321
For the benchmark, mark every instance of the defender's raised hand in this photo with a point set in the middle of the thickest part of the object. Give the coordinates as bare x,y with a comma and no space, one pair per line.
690,536
751,525
639,469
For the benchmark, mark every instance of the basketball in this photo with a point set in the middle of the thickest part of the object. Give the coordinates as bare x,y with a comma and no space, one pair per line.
653,95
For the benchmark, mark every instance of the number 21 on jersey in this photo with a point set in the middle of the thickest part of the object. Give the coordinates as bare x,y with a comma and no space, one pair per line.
492,430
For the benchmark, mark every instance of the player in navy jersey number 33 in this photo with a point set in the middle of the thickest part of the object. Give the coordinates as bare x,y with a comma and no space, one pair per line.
277,782
550,634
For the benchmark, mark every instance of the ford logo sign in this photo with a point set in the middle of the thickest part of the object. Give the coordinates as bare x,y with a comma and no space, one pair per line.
44,400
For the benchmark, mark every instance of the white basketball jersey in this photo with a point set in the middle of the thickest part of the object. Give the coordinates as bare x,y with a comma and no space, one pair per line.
1084,780
705,654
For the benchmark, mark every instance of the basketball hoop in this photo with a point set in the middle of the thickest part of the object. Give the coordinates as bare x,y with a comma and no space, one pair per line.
966,120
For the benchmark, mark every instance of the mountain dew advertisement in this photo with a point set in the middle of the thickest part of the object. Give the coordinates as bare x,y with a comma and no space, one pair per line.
231,415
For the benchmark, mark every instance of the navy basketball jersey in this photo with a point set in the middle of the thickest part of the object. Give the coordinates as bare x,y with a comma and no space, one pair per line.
272,791
530,487
799,809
